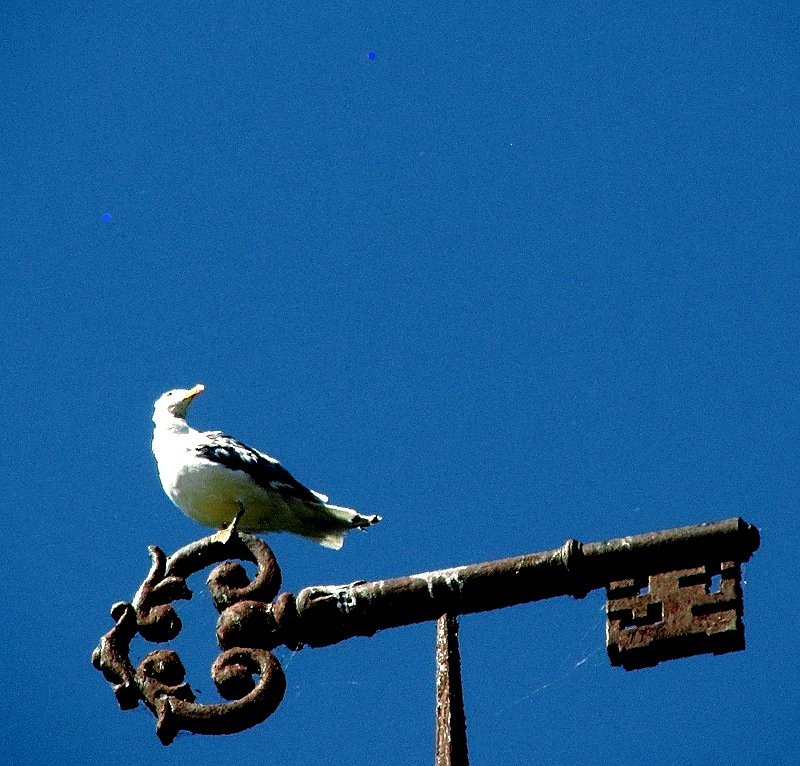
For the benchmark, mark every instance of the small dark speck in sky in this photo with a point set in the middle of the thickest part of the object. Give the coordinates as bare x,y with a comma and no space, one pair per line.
106,217
371,55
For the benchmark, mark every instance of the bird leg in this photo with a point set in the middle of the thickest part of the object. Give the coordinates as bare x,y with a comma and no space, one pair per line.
224,535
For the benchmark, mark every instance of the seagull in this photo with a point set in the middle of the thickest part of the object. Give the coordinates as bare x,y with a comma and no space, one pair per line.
221,482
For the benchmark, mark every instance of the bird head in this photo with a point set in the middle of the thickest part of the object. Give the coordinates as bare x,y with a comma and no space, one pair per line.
175,403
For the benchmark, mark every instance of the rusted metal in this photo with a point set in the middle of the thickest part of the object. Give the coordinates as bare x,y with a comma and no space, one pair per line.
451,723
676,563
680,614
324,615
158,681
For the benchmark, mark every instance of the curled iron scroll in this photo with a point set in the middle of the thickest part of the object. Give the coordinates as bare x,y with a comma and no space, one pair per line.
158,680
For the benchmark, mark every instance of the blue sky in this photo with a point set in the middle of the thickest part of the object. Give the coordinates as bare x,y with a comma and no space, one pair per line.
528,273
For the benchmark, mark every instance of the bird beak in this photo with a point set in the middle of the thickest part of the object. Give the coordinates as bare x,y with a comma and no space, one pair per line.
198,389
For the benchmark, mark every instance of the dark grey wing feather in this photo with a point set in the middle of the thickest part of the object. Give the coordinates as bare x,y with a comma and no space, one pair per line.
262,469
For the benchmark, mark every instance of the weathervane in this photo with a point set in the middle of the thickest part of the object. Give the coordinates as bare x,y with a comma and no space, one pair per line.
670,594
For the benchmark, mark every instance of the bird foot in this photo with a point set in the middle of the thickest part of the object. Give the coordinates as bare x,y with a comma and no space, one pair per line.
224,535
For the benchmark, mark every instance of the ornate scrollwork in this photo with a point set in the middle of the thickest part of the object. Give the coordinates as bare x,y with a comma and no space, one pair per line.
158,681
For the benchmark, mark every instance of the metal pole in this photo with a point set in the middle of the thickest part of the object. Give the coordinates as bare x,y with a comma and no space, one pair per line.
451,724
324,615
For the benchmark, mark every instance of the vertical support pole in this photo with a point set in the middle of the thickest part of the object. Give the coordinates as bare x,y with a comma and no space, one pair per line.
451,723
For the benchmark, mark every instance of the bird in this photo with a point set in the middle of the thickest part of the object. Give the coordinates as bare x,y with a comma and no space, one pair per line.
221,482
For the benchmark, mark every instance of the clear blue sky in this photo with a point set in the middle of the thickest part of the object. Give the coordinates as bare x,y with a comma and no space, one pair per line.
528,273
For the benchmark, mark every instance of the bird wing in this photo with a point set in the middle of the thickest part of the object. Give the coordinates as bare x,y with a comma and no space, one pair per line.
264,470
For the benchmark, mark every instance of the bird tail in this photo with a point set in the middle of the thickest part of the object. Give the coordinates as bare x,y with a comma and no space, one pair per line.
344,520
